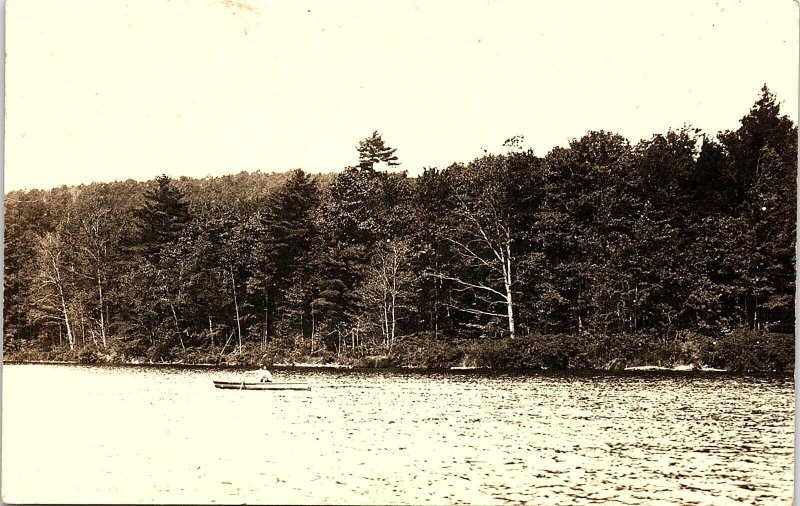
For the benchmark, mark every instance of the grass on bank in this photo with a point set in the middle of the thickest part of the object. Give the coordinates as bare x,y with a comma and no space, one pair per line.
739,351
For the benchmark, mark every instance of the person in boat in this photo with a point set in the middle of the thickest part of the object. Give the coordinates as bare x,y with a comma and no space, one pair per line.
263,375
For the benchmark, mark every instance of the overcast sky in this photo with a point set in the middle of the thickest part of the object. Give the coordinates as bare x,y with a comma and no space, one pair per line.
103,90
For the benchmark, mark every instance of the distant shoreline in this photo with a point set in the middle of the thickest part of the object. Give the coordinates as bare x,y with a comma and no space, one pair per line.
738,352
642,368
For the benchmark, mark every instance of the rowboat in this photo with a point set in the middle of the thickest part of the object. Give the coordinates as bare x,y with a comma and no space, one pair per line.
244,385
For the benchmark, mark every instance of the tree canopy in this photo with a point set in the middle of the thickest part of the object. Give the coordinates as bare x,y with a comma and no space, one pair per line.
684,232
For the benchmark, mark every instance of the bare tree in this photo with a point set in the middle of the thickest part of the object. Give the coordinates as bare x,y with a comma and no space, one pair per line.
482,240
94,254
386,285
52,282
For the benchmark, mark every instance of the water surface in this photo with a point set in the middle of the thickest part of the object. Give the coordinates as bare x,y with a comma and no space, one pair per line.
77,434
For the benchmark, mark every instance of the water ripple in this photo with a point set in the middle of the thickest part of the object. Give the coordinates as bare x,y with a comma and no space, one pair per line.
164,435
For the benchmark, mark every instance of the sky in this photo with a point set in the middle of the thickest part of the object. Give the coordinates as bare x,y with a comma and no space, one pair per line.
105,90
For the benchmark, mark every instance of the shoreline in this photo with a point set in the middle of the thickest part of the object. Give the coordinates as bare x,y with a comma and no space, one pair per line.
738,352
307,365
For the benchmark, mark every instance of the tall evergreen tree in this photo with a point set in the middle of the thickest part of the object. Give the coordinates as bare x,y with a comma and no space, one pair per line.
162,217
374,150
280,253
763,127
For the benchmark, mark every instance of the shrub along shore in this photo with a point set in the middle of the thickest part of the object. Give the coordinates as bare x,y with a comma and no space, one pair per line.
739,351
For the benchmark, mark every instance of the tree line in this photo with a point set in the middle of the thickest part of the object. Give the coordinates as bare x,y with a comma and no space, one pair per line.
682,232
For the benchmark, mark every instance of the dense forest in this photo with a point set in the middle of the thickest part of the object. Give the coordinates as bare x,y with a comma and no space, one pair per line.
603,253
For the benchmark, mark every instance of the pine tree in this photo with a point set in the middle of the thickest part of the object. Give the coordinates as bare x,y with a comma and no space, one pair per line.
373,150
162,218
763,127
280,252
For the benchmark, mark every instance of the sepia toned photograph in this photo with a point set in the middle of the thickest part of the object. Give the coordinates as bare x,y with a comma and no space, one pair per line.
478,252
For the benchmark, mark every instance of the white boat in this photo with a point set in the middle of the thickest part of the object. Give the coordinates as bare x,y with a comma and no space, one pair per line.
249,385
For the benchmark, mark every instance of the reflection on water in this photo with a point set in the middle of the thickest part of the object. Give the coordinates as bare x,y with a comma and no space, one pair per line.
165,435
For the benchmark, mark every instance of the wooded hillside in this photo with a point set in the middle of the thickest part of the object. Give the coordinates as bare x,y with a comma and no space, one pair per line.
684,234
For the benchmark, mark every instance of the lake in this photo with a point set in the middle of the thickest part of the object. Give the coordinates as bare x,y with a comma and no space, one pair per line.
101,434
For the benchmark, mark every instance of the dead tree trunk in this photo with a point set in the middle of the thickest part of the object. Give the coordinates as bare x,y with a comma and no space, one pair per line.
177,327
54,277
313,329
507,285
236,306
70,336
102,310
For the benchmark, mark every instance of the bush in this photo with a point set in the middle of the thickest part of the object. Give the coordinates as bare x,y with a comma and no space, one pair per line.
373,362
25,354
495,354
251,355
750,351
198,355
276,351
129,348
535,351
161,351
617,351
425,350
87,356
